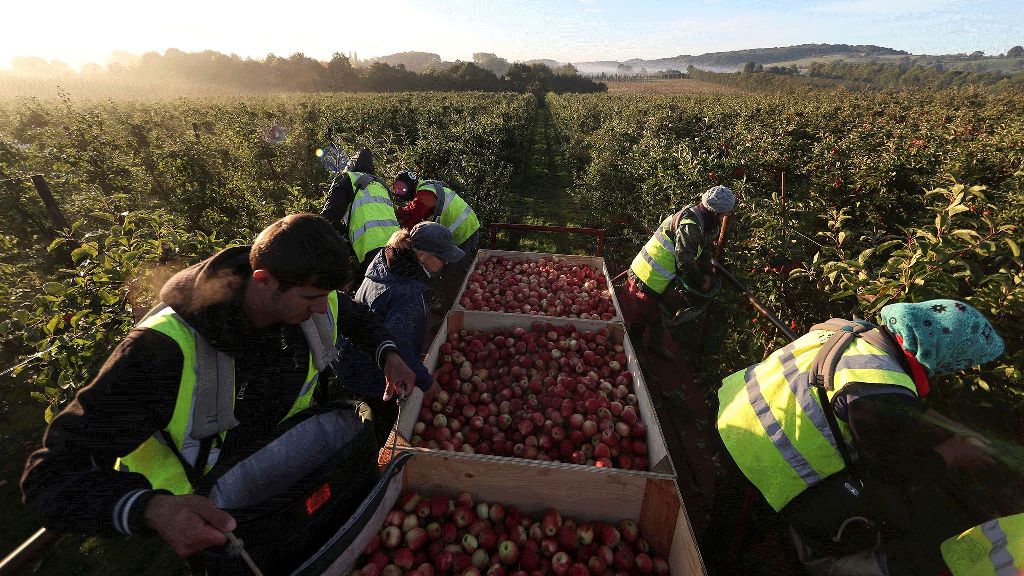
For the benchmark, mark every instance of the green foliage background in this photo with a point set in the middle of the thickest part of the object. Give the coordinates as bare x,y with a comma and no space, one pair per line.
891,196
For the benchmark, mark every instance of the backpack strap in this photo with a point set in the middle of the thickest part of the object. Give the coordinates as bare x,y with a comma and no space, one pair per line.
363,181
823,370
319,332
214,408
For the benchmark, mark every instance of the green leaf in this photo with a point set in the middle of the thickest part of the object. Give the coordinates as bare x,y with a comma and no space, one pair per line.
52,324
982,384
83,251
954,210
54,288
1014,248
22,316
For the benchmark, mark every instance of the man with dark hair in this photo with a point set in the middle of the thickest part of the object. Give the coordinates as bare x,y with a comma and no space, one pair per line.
301,249
206,381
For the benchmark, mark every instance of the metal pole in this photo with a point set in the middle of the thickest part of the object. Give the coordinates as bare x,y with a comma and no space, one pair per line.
754,301
17,562
782,217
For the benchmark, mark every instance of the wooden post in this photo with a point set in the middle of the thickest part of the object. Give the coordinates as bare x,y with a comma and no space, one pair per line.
782,207
56,216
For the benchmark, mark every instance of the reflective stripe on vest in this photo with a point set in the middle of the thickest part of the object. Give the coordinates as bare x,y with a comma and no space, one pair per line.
372,218
199,409
995,548
655,265
452,211
773,424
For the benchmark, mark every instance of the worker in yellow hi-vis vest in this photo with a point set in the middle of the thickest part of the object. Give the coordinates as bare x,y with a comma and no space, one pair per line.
434,201
361,206
994,548
672,268
207,406
815,425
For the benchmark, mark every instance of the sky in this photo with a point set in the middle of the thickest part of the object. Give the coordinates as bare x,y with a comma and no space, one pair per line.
77,32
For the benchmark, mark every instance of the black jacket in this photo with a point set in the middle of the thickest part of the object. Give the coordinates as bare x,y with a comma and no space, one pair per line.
71,484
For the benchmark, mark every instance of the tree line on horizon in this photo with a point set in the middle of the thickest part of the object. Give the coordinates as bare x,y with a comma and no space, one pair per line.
301,73
859,76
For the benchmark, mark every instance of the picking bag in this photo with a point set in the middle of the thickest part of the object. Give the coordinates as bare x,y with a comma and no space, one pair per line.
292,494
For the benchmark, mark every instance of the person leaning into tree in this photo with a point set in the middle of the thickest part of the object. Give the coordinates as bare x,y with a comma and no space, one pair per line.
433,201
677,253
396,287
360,204
822,465
995,547
230,357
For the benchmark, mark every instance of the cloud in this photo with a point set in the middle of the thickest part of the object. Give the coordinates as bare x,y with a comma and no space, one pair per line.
884,7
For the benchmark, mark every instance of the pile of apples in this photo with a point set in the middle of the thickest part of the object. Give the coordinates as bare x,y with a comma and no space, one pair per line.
542,287
430,536
549,393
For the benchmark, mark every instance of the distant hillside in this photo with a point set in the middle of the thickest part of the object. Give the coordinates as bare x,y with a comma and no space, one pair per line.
735,59
773,55
413,61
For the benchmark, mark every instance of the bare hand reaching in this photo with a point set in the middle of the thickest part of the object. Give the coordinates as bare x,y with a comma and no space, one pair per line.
400,378
188,523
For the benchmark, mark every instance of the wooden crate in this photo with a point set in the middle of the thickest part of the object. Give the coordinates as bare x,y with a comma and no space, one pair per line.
605,495
592,261
660,463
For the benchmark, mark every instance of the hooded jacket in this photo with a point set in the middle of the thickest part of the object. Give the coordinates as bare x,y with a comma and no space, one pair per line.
397,290
71,484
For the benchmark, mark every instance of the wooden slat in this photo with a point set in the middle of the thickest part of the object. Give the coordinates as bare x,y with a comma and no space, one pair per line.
594,494
581,493
684,556
660,509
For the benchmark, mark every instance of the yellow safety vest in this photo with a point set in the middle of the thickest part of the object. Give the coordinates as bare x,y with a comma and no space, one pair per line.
655,265
995,548
205,401
451,211
772,421
372,219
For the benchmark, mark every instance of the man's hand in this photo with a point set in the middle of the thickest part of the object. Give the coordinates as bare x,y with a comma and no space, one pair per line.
706,285
399,377
188,523
968,453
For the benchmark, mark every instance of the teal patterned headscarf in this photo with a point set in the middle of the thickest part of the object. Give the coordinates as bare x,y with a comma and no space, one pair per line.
944,335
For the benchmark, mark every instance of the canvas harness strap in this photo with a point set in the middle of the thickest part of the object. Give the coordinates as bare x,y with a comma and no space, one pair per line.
823,369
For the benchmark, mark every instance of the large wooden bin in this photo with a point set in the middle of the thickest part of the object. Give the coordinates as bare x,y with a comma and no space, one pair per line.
660,463
605,495
593,261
